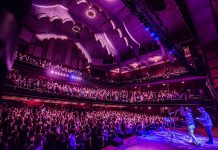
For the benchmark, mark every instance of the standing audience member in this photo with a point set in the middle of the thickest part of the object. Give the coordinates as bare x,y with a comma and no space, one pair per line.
72,140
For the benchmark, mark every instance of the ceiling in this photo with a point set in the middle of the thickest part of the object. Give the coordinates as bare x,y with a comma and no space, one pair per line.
105,28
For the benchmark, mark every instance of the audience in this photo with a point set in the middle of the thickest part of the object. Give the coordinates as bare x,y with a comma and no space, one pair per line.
38,84
45,63
24,127
172,71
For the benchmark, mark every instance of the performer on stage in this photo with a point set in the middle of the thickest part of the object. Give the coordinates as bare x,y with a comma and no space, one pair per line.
191,125
205,120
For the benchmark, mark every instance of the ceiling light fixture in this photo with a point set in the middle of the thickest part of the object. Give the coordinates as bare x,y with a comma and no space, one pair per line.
120,33
81,1
90,13
76,29
126,41
113,24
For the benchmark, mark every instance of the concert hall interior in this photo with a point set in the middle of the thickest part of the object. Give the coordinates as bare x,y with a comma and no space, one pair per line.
108,74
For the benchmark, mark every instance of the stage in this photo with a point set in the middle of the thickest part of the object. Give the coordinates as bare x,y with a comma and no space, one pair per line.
162,141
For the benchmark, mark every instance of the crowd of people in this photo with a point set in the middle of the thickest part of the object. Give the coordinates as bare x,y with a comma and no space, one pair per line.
35,83
175,71
45,63
161,74
25,127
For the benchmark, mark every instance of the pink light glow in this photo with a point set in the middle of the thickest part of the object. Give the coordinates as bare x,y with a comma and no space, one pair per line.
126,41
53,12
130,35
113,24
102,37
91,13
48,36
155,59
80,1
84,51
76,29
120,33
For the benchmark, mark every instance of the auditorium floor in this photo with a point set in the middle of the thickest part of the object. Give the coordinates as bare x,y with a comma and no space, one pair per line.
162,141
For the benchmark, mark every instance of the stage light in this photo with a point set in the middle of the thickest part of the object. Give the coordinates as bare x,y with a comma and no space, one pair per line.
90,13
76,29
52,72
164,84
147,28
156,38
149,108
152,34
148,86
182,82
172,51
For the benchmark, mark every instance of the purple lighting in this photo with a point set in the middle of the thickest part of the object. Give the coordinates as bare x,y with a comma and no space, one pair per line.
74,77
156,38
147,28
63,74
171,51
152,34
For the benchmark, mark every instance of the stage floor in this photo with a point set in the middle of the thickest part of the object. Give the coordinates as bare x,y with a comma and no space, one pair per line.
162,141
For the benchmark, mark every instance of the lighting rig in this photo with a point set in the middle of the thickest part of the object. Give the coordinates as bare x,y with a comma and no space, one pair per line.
149,18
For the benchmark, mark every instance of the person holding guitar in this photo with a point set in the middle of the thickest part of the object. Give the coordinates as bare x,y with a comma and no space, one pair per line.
191,125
